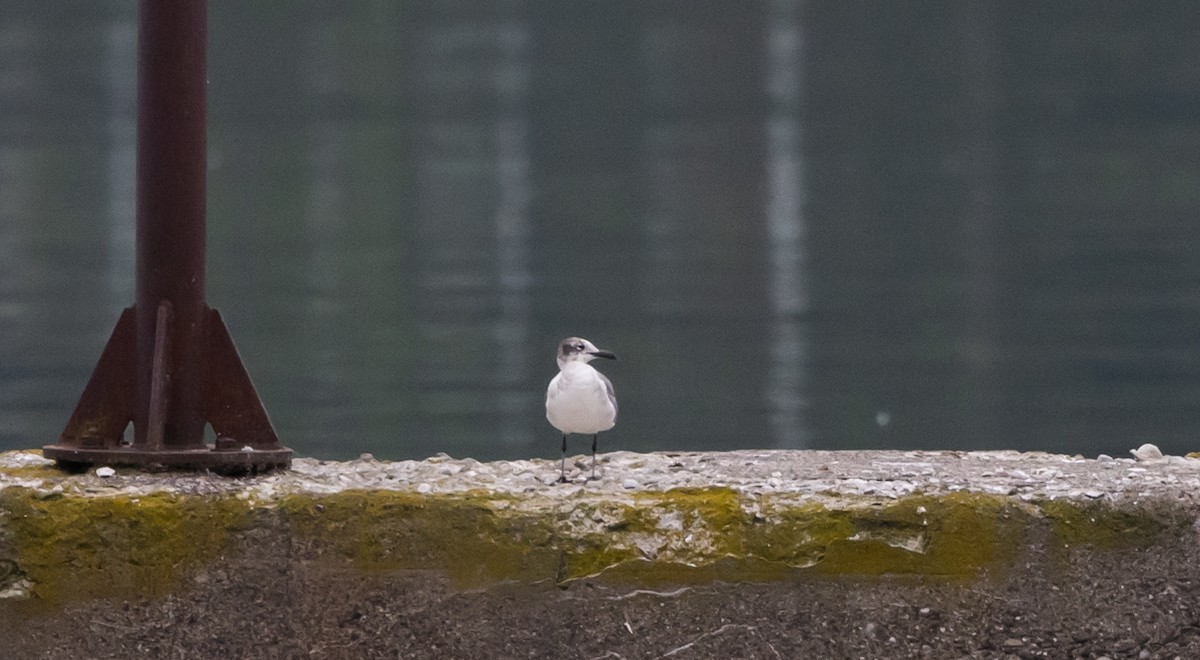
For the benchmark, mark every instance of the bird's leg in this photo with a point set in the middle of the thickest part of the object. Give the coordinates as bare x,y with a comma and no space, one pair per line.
593,456
562,479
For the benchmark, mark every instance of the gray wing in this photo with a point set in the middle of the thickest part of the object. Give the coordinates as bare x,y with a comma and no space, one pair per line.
608,389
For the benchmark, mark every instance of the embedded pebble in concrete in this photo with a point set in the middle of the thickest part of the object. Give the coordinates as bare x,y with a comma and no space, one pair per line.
1147,452
1029,476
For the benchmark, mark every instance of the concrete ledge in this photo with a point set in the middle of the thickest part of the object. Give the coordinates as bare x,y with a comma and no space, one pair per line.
823,535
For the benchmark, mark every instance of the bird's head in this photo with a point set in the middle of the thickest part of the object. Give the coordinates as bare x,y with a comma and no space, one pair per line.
577,349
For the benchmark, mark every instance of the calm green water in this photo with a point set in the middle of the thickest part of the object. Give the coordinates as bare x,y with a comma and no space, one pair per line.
818,224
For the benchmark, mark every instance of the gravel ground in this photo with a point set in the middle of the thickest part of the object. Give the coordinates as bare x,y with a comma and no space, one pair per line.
1108,605
884,474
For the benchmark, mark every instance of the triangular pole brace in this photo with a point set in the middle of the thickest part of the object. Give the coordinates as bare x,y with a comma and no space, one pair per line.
246,441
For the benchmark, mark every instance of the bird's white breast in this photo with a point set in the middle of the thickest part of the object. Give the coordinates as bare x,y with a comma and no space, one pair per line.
577,401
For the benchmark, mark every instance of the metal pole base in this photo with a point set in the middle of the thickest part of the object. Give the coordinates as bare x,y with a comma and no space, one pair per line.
246,441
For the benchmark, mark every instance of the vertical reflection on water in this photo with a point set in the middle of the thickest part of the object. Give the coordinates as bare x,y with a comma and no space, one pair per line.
667,276
15,423
120,75
705,270
17,272
981,217
472,192
668,286
512,233
786,392
14,200
325,228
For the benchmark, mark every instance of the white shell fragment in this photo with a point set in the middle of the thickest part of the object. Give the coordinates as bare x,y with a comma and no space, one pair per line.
105,472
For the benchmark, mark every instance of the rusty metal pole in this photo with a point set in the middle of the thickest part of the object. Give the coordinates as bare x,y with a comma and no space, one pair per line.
170,365
171,168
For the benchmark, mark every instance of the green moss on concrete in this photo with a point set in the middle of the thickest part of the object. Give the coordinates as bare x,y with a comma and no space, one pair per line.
480,538
474,537
1103,526
716,514
73,546
114,546
718,508
956,535
718,533
683,535
593,556
797,534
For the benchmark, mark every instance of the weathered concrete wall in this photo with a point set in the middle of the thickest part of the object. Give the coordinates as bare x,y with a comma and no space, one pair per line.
800,554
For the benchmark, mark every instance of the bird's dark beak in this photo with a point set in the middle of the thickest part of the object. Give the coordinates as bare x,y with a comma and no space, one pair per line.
603,354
